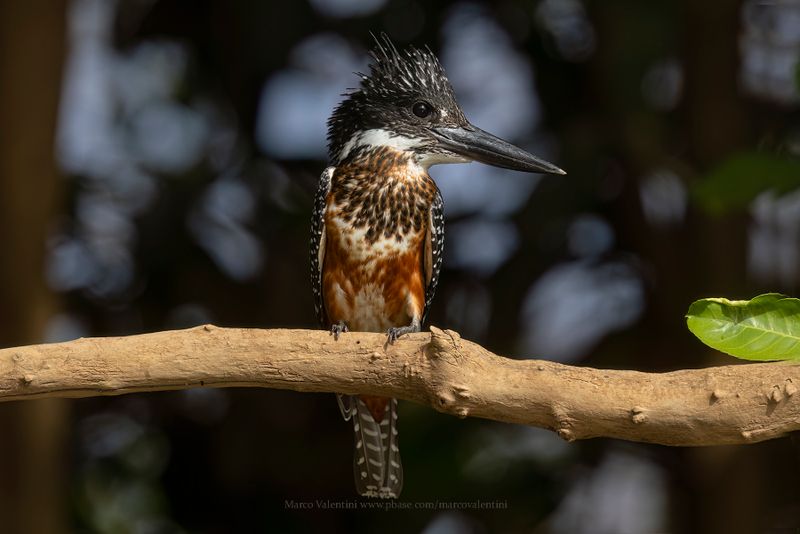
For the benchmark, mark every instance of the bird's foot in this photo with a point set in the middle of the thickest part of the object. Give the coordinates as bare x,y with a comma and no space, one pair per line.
337,329
397,331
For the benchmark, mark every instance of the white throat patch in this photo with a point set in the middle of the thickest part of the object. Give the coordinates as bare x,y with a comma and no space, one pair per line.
378,137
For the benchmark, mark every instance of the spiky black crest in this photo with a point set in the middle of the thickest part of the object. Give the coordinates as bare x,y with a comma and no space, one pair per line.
397,80
395,75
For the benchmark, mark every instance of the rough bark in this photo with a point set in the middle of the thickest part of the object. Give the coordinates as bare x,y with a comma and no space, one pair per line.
714,406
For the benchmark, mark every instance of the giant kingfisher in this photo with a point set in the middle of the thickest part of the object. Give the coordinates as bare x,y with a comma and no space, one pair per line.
378,222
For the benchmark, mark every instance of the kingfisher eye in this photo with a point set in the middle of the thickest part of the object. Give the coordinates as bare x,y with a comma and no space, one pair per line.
422,109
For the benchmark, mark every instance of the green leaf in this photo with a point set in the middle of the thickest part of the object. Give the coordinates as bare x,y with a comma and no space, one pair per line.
766,327
737,180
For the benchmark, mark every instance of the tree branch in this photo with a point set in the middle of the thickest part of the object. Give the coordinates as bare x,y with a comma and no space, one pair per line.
715,406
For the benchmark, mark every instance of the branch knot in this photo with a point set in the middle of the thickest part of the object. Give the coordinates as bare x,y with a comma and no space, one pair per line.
444,344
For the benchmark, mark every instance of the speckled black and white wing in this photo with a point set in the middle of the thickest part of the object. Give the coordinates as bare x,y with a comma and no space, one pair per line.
317,245
434,247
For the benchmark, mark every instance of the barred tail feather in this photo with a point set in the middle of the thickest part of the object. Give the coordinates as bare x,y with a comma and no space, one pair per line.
376,463
394,472
346,405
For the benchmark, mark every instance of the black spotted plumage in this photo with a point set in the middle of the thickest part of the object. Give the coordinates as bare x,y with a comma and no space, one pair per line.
435,250
381,198
317,243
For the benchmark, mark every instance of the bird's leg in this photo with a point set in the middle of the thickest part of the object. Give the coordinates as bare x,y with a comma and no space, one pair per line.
397,331
338,328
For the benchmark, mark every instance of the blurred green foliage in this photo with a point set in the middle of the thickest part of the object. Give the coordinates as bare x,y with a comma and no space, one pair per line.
735,182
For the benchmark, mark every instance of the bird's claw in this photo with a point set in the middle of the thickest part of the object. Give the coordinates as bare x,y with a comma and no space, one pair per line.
397,331
337,329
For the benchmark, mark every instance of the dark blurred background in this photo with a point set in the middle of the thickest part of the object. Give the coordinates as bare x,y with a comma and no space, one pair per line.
157,165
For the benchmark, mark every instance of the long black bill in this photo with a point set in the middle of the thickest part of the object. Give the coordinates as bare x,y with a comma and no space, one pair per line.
478,145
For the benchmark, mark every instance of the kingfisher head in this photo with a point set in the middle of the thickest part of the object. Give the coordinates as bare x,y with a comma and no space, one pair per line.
407,103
